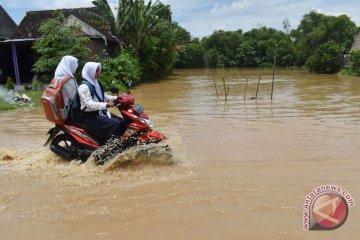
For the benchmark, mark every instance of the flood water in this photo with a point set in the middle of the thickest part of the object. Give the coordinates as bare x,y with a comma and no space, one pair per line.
242,167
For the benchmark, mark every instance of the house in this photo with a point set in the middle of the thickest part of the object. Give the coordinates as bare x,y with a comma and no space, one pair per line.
356,43
19,46
7,27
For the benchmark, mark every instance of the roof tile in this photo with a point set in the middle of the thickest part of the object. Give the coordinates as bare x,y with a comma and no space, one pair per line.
29,26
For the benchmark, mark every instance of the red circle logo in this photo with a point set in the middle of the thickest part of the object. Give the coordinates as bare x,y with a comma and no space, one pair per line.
330,210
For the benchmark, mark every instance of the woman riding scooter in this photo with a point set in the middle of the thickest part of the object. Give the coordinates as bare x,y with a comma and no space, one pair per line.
66,69
94,104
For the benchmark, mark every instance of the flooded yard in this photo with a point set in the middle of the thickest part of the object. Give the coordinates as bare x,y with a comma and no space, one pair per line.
242,167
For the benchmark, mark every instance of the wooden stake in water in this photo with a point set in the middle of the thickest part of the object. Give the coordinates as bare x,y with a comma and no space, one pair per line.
273,78
247,79
217,95
257,89
226,89
227,92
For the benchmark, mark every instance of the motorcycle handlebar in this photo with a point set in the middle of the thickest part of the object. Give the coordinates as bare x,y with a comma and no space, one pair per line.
117,102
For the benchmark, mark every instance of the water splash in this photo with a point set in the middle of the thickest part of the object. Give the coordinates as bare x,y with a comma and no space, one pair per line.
12,97
154,153
5,95
7,155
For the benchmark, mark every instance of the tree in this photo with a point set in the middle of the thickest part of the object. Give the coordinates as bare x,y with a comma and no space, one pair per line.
326,59
225,43
192,56
246,55
284,53
316,29
266,42
355,61
212,58
183,39
160,52
57,40
146,29
115,72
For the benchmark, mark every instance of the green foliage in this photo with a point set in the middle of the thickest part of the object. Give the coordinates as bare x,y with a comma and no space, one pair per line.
246,55
137,21
115,72
319,41
147,29
326,59
225,45
237,49
27,87
36,84
316,29
355,61
213,59
347,70
159,53
10,85
192,55
57,41
285,53
6,106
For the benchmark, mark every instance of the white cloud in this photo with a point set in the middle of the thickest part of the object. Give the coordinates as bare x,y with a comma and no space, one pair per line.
220,9
248,14
46,4
202,17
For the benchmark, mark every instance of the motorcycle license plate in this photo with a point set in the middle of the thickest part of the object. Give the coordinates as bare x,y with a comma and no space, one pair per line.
138,108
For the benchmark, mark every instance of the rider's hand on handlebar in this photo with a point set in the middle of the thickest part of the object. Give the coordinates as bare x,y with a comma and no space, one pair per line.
117,102
110,104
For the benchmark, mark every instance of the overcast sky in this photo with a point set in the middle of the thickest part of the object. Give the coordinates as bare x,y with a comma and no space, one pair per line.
202,17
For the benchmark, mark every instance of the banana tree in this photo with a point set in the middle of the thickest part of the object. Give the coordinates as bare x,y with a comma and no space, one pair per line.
135,20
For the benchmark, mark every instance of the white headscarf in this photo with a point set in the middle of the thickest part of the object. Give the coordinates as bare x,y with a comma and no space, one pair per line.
66,67
88,73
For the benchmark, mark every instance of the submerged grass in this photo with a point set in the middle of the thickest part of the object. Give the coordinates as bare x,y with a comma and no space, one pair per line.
7,106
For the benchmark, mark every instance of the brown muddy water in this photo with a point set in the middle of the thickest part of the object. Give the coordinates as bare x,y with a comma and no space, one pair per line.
242,168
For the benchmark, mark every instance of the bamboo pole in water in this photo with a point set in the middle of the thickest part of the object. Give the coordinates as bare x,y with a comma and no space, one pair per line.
247,79
217,95
273,78
226,89
227,92
257,89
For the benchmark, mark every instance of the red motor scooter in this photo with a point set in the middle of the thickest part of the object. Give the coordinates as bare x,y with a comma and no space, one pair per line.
75,142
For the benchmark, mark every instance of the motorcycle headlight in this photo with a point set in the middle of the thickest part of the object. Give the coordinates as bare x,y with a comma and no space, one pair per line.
147,122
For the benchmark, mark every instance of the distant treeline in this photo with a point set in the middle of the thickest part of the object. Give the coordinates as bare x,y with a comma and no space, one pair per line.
319,43
151,45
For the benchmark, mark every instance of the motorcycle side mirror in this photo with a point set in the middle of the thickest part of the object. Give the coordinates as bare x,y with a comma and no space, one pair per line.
129,83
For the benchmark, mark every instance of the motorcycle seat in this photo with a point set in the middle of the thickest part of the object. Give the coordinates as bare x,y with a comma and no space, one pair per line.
82,126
